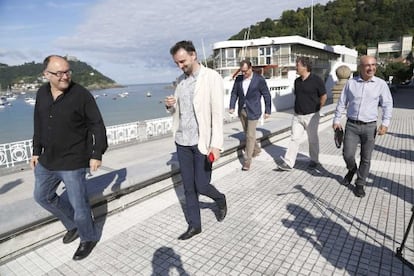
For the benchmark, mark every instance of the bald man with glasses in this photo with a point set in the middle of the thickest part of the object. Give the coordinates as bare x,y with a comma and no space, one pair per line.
69,139
360,99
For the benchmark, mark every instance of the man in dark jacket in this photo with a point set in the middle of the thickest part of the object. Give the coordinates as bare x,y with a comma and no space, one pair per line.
69,137
248,89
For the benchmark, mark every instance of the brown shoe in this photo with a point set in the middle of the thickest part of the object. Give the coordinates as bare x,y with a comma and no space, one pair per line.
256,153
246,166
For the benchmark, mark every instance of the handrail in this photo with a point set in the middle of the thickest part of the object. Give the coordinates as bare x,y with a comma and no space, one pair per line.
14,153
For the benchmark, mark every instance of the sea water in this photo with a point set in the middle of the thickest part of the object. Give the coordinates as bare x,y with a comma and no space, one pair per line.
118,106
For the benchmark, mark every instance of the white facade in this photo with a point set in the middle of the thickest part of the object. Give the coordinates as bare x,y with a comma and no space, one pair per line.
275,58
399,48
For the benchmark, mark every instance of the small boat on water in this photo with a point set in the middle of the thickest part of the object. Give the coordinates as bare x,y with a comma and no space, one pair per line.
3,101
30,100
149,94
11,97
123,94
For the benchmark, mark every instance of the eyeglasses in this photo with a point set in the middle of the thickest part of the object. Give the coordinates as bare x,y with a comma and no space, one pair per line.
245,71
60,74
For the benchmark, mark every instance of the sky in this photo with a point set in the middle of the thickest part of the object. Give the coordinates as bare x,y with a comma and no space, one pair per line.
128,41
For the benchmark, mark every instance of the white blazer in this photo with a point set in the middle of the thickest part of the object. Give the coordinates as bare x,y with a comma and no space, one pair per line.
208,105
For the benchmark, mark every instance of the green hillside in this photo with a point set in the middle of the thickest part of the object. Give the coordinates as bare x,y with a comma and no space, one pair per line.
353,23
31,72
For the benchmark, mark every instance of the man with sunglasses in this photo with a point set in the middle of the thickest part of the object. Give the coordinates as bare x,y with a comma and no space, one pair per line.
69,138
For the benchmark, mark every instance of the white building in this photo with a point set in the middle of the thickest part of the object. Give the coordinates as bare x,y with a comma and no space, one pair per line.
275,59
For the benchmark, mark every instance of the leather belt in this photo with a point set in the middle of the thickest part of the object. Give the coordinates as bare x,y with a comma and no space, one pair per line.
360,122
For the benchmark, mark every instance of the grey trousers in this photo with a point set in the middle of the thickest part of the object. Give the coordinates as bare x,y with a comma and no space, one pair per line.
363,134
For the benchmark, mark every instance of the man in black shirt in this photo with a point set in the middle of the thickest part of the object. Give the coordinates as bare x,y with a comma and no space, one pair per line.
310,96
69,136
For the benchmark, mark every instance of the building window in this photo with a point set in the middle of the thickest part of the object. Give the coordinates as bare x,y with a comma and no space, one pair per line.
265,55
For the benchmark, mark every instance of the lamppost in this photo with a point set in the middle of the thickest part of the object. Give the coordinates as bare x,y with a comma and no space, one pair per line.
311,34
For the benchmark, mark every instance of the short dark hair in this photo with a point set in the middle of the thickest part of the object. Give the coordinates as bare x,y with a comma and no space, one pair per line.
245,61
47,60
306,62
184,44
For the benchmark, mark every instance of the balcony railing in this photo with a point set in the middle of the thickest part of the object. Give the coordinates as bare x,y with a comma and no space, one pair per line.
20,152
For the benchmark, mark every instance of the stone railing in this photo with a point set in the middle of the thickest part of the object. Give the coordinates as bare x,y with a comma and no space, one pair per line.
20,152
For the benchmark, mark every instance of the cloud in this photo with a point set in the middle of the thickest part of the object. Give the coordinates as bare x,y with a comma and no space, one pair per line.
131,39
142,32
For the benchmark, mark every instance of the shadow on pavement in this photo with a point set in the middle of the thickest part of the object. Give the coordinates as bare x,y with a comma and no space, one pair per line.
338,246
165,260
394,188
323,206
401,135
403,98
402,153
96,187
10,185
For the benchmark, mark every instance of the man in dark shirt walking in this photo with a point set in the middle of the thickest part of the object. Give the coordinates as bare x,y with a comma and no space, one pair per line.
69,137
310,96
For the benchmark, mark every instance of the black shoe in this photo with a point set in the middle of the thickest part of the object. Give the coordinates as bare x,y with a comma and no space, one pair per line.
359,191
348,177
284,167
70,236
84,249
222,211
191,231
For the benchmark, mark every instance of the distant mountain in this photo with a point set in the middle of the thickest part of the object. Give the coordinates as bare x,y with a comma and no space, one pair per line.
30,75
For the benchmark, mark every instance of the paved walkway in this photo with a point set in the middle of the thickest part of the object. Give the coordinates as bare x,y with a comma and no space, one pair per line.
278,223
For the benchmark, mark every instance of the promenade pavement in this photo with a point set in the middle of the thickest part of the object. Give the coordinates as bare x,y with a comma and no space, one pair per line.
279,223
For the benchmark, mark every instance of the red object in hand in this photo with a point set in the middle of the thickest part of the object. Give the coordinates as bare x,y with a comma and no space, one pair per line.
211,157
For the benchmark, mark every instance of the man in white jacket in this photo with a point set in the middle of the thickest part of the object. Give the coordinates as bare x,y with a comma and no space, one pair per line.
197,108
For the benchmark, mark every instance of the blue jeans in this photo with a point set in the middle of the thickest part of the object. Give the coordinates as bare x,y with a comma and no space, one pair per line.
363,134
196,175
72,207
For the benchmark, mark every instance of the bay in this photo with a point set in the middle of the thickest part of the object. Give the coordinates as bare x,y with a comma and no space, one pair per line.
16,121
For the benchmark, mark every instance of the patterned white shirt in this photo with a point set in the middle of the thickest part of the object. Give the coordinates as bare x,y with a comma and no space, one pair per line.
187,133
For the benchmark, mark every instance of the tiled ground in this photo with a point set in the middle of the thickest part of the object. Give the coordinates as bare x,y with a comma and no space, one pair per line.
278,223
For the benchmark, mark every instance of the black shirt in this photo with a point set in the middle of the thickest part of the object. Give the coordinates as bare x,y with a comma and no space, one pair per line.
68,131
308,93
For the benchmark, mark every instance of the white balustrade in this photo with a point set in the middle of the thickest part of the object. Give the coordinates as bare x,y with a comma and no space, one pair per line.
19,152
14,153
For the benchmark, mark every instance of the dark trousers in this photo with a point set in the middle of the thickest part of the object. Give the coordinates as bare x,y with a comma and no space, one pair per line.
363,134
196,176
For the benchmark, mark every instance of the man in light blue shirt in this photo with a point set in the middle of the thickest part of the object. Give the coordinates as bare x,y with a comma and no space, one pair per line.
360,98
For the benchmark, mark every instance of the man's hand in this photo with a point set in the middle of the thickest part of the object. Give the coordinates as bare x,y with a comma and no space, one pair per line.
382,130
336,126
34,161
170,101
216,153
94,164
